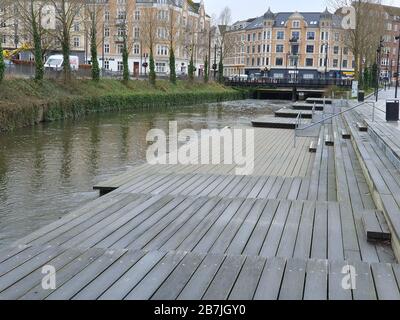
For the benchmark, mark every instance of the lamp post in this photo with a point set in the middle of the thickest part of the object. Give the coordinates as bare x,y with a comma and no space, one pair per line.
379,62
398,69
293,42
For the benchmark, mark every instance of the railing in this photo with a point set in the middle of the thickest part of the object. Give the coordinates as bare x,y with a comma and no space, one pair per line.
334,115
288,82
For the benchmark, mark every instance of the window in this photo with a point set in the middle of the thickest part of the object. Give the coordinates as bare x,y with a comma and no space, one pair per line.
120,66
162,50
344,63
310,49
279,48
106,48
335,63
137,15
336,50
77,42
280,35
77,27
120,48
279,61
308,76
296,35
107,65
346,50
137,33
309,62
106,32
136,49
107,16
296,24
310,35
160,67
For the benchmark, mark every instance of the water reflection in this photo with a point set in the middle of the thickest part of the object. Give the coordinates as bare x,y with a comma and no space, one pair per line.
49,170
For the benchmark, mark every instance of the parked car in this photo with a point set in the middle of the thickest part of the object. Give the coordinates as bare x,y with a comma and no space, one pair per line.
237,77
55,62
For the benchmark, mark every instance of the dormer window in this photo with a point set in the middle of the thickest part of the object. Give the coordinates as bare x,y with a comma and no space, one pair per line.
296,24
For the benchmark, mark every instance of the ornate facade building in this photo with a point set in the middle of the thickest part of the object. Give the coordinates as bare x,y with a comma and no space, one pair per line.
158,24
308,45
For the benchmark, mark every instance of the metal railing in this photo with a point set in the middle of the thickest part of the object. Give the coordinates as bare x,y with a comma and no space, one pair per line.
334,115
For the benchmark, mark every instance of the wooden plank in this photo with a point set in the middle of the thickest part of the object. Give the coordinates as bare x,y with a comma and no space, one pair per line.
274,235
249,277
319,247
289,236
145,289
336,280
385,282
121,288
257,238
177,281
228,234
70,288
65,274
373,228
345,134
24,269
293,280
365,287
105,280
225,279
243,235
271,280
335,236
304,237
316,285
200,281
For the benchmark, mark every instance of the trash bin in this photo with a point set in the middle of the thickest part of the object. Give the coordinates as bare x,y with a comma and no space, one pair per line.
361,96
392,110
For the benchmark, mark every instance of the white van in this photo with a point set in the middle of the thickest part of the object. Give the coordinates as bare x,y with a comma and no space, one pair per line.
55,62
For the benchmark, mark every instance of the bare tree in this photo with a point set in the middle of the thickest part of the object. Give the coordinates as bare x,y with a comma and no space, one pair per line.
66,11
30,14
364,39
5,14
225,17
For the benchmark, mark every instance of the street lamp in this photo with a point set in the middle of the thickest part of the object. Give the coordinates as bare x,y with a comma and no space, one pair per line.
293,42
398,69
379,62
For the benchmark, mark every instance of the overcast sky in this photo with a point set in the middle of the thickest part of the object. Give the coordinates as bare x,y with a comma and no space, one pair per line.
253,8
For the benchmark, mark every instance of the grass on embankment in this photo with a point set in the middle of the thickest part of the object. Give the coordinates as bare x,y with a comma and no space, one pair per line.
26,102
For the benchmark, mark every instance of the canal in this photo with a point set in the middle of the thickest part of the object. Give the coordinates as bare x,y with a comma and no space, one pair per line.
48,170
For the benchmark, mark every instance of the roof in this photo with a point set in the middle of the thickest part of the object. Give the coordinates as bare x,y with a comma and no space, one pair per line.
280,19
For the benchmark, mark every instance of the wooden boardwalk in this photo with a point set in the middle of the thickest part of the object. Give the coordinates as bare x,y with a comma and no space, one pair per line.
201,232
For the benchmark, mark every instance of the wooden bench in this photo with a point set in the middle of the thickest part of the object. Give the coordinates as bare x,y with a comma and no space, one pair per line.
375,226
346,135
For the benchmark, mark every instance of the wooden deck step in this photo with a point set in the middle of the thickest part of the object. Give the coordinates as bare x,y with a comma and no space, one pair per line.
346,135
291,113
319,100
313,147
276,122
98,274
329,140
308,106
362,127
375,226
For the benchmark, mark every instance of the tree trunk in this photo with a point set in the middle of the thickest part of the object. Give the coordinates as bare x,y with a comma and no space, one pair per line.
37,42
172,71
125,56
93,52
152,73
206,78
2,64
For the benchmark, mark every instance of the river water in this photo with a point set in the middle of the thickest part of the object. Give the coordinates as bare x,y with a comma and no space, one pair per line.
48,170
